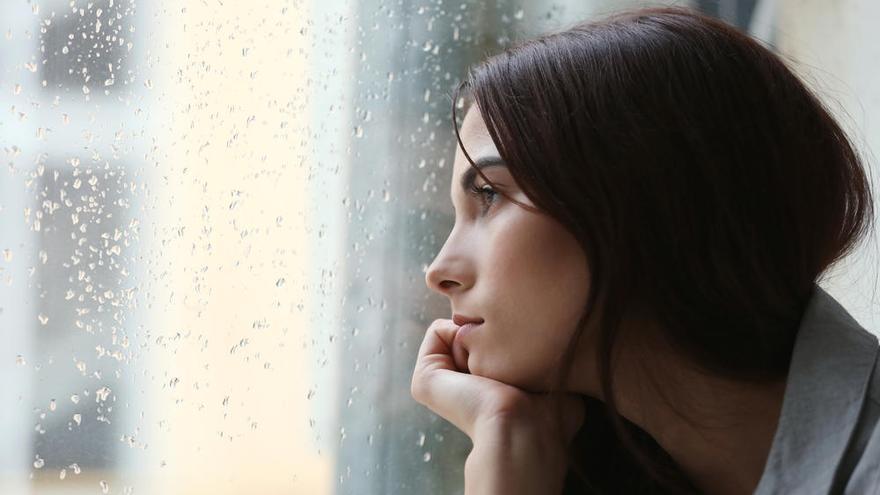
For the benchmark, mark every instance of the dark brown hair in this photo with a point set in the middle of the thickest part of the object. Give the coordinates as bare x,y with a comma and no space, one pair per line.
707,185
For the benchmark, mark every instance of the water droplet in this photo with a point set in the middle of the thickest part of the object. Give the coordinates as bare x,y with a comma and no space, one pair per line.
81,366
85,89
43,318
52,405
74,398
39,462
19,360
386,196
421,439
279,282
31,66
427,457
7,255
518,14
62,474
102,393
77,418
65,50
148,84
105,487
76,468
16,89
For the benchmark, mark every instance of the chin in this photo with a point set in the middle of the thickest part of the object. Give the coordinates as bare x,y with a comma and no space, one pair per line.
531,382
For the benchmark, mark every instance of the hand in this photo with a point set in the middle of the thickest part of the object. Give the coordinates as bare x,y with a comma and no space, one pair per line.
517,440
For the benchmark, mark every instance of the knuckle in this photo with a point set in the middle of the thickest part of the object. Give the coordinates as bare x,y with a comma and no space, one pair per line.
417,388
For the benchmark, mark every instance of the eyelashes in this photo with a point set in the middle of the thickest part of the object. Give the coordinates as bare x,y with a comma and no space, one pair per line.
487,195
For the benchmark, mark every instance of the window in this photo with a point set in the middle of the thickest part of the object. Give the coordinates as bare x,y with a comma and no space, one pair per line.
215,219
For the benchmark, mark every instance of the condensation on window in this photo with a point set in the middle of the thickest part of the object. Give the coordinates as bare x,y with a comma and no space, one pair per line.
215,220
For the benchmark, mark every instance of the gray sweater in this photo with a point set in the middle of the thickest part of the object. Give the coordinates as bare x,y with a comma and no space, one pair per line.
828,437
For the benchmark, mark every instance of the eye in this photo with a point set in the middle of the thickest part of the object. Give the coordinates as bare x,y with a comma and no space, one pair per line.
486,194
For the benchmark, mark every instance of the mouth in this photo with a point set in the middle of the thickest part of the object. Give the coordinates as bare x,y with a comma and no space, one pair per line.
461,320
466,329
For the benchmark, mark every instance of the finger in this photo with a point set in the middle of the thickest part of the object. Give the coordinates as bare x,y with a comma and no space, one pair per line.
457,397
435,351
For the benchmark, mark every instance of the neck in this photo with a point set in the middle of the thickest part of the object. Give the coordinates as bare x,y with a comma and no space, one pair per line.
724,439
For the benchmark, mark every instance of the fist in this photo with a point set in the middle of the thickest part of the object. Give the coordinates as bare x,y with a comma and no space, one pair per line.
478,405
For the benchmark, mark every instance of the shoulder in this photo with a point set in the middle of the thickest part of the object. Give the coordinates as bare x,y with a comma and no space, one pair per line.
860,468
827,439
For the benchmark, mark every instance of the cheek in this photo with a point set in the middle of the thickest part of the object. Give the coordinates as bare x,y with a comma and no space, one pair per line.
539,284
541,272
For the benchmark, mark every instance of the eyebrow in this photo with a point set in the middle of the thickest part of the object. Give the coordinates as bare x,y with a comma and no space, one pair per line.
467,178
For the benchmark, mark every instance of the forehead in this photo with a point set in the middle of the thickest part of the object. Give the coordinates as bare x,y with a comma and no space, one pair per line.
476,140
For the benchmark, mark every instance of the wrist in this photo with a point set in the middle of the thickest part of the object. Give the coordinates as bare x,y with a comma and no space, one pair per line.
514,459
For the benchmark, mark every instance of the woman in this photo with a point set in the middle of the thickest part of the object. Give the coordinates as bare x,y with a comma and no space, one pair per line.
643,206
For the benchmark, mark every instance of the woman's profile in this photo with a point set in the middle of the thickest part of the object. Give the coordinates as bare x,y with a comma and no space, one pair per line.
643,205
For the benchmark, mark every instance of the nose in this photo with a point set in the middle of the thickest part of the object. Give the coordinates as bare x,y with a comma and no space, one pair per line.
447,273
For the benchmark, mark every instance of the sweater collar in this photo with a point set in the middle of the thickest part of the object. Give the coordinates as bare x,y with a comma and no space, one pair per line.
832,361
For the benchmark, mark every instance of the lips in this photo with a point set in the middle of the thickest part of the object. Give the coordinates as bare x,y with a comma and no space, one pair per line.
463,320
466,329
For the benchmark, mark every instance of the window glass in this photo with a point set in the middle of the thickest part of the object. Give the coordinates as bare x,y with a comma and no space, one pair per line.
215,221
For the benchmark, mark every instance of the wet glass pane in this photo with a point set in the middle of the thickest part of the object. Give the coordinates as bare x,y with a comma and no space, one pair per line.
215,220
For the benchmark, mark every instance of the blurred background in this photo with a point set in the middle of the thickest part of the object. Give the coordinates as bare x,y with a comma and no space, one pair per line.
216,216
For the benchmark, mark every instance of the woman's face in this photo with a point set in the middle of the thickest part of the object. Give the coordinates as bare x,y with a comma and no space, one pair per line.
520,272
